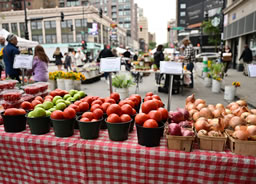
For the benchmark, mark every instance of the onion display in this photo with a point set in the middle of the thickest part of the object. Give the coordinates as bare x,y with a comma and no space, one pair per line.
214,133
241,135
202,133
199,101
190,106
188,133
226,119
253,111
244,115
234,107
184,112
241,127
251,119
176,116
174,129
239,111
205,112
216,124
191,112
231,104
185,124
235,121
200,106
227,111
196,116
190,98
216,113
211,107
251,130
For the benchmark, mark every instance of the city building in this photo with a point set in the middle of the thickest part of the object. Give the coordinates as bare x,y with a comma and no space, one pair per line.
240,28
151,37
143,33
122,12
191,14
80,23
171,33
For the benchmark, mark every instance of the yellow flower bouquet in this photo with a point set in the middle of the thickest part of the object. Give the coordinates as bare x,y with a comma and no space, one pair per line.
236,84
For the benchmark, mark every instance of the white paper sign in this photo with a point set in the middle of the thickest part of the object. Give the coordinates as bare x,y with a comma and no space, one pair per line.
110,64
23,61
252,70
167,67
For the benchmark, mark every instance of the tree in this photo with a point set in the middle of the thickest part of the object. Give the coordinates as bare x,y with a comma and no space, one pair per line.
151,45
213,32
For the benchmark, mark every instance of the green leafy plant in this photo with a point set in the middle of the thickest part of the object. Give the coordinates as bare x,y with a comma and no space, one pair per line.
122,81
217,71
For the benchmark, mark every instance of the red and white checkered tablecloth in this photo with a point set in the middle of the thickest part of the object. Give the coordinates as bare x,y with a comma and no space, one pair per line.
26,158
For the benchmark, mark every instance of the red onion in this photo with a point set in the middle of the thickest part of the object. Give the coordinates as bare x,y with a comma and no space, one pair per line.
174,129
176,116
184,112
185,124
187,133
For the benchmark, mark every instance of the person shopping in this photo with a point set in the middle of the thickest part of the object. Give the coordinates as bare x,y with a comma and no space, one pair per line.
158,56
105,53
58,55
9,53
67,62
227,59
40,65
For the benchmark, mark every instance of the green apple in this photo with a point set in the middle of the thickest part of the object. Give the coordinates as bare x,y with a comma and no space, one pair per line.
48,113
67,102
31,114
52,109
76,96
60,100
72,92
82,94
56,98
39,105
60,106
66,96
72,99
47,105
39,112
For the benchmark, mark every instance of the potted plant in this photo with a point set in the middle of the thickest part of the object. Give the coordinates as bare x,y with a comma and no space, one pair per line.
217,73
52,81
122,82
68,80
60,75
77,80
230,91
208,80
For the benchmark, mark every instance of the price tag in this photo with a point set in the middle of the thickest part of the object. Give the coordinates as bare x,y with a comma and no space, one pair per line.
23,61
252,70
110,64
173,68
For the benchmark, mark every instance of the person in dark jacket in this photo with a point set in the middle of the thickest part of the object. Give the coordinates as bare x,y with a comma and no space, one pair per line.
9,53
247,58
106,52
58,55
67,63
158,56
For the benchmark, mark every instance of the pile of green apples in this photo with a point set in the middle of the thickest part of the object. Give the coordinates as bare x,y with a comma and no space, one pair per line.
57,103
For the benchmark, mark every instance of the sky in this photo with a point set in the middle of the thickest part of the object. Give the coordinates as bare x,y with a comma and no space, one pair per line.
158,12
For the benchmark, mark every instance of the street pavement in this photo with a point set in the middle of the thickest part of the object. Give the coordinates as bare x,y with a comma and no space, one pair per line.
246,91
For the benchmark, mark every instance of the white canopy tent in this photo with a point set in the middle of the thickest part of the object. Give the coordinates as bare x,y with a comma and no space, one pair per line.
121,50
21,41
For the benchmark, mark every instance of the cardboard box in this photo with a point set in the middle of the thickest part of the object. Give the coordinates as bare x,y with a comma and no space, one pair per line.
180,143
241,147
212,143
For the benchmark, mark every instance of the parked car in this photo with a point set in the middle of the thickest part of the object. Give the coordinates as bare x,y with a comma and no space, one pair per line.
209,55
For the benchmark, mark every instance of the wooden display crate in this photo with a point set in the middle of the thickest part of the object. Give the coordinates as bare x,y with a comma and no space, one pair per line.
241,147
180,143
212,143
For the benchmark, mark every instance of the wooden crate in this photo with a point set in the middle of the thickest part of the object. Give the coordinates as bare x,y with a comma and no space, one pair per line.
212,143
180,142
241,147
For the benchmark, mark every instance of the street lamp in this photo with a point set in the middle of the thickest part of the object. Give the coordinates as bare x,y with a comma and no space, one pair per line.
26,21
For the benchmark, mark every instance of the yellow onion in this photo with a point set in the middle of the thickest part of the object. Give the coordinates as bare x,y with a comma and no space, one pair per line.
211,107
191,106
241,102
226,119
253,111
202,124
202,133
251,119
199,101
241,127
190,98
205,112
241,135
234,107
191,112
216,125
200,106
214,133
216,113
235,121
196,115
244,115
251,130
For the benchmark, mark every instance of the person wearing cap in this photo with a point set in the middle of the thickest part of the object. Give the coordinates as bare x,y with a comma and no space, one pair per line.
9,53
189,58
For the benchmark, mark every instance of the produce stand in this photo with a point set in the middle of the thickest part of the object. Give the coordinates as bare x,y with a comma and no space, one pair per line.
26,158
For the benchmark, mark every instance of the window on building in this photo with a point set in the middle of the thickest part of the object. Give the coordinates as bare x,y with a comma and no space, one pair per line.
5,26
113,8
81,29
127,25
73,3
81,22
182,6
51,38
50,31
22,29
182,21
38,38
14,28
66,33
127,12
127,7
36,25
182,14
36,28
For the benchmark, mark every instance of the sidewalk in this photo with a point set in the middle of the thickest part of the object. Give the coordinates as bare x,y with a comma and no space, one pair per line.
248,85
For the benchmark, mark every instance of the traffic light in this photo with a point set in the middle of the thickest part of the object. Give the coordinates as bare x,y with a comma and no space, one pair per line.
84,44
206,17
100,13
169,28
140,28
62,16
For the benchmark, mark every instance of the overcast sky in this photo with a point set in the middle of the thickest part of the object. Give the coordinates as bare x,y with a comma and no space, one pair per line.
158,13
